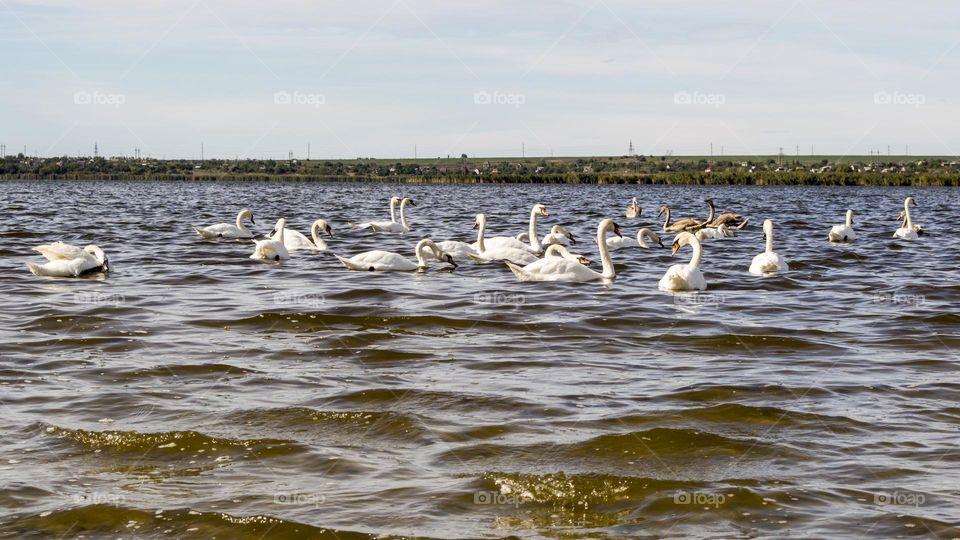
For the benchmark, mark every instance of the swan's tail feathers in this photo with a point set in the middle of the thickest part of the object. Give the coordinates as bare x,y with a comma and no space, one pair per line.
203,234
374,228
35,269
477,258
518,271
348,263
742,224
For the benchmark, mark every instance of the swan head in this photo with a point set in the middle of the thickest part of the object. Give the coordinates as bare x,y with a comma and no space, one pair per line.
681,240
246,214
407,200
322,225
909,202
395,199
608,225
540,209
479,221
99,255
850,217
560,230
767,228
709,203
281,223
663,208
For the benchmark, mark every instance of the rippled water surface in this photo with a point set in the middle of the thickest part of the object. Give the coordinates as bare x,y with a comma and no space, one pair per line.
194,392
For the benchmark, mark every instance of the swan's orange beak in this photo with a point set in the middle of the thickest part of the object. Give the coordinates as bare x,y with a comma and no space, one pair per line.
545,212
584,261
676,247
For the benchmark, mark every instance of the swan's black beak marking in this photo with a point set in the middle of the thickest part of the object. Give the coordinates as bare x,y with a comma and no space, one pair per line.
661,243
475,224
412,203
572,239
252,221
616,230
329,231
273,232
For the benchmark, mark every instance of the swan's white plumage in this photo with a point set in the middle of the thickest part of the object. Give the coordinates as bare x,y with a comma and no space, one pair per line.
226,230
387,261
560,268
294,240
533,246
768,262
394,201
393,226
907,231
65,260
844,232
620,242
685,277
272,249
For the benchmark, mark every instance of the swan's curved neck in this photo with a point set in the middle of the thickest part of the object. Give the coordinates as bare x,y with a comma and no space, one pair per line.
279,236
608,271
641,238
849,218
483,227
667,222
315,233
403,218
906,210
713,212
532,231
422,247
240,224
697,253
393,210
769,233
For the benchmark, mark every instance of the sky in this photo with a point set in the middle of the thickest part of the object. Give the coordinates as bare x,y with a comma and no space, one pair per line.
431,78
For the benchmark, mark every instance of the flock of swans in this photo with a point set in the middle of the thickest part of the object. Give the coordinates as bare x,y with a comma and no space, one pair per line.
525,254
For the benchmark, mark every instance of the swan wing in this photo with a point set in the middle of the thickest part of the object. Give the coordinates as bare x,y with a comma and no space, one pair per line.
270,250
379,261
59,250
680,277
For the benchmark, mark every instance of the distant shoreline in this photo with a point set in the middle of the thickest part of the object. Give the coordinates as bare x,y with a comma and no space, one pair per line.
633,170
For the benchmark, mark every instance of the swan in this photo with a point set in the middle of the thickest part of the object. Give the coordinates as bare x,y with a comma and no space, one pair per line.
642,235
715,233
916,226
678,226
386,261
534,245
634,210
463,250
907,232
843,233
769,261
561,269
556,250
395,227
559,235
273,248
499,251
394,201
65,260
685,277
730,219
294,240
226,230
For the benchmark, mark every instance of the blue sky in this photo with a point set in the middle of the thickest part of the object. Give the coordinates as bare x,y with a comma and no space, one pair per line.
487,77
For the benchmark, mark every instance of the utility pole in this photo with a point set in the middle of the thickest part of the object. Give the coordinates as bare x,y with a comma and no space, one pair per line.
414,151
711,149
96,150
523,149
308,151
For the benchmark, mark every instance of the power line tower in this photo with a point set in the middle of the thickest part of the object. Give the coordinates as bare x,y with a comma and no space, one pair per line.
96,150
630,150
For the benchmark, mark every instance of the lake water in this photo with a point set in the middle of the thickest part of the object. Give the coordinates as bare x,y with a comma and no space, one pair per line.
194,392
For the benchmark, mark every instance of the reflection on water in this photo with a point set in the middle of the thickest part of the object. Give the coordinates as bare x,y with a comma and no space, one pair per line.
195,392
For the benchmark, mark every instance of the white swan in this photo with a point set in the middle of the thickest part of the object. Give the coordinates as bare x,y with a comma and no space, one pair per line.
769,261
907,232
386,261
463,250
294,240
685,277
226,230
498,251
556,250
715,233
394,201
916,226
643,235
65,260
534,245
272,248
634,210
395,227
843,233
562,269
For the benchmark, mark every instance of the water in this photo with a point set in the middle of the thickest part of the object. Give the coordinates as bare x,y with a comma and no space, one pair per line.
197,393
